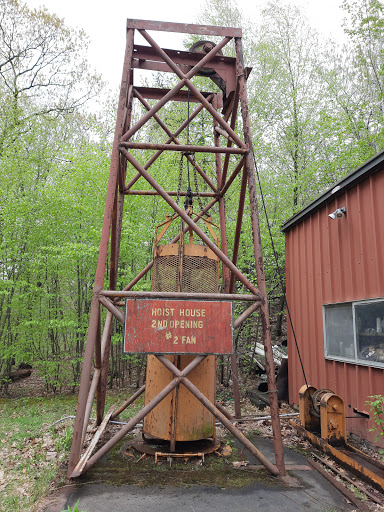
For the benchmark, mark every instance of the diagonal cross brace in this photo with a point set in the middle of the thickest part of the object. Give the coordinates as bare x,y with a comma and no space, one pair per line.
219,415
246,282
173,138
144,411
185,80
180,377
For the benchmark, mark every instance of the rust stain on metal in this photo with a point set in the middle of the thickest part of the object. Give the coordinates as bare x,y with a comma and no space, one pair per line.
178,327
347,493
343,458
180,415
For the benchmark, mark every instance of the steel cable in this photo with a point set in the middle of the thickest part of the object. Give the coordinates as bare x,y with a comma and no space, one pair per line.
279,271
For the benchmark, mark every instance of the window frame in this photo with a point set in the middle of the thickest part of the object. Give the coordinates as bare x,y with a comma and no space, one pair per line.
355,360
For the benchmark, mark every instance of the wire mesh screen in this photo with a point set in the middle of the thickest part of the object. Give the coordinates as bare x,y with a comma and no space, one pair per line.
199,274
165,274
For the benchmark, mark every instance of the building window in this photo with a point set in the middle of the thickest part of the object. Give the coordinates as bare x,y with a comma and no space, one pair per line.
354,332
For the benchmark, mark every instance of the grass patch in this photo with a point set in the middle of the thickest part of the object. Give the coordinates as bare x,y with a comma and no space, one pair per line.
32,455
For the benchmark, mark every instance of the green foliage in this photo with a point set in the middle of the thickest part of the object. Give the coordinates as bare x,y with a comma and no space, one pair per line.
376,405
74,509
43,69
34,452
53,170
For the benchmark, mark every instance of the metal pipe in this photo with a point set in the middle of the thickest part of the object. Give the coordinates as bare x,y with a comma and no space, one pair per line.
100,270
96,375
76,445
223,232
186,81
239,222
177,295
183,147
216,115
128,427
219,415
99,407
264,418
90,419
176,141
222,132
232,125
269,363
192,72
224,411
154,193
112,308
184,28
146,117
238,168
128,402
177,132
91,397
245,314
234,431
226,273
233,358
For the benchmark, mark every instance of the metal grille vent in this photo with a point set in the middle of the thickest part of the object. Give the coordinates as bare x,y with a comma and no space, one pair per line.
199,275
196,266
165,276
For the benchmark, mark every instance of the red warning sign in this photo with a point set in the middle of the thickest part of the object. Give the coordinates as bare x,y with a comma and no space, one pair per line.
161,326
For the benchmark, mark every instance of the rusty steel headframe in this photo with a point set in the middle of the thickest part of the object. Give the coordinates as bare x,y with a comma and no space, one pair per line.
230,75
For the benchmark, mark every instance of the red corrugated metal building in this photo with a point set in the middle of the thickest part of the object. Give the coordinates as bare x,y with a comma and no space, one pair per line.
335,292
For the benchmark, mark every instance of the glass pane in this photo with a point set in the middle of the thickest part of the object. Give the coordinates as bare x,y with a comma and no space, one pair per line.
339,340
369,324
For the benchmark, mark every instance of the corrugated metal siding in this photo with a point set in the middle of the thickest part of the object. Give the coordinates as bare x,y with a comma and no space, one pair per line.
330,261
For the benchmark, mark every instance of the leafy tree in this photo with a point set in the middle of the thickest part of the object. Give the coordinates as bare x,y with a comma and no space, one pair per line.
43,71
51,164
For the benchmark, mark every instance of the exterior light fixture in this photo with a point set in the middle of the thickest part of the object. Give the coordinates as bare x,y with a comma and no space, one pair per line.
339,213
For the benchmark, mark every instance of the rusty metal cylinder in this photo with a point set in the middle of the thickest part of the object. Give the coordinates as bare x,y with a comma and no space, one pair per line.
180,416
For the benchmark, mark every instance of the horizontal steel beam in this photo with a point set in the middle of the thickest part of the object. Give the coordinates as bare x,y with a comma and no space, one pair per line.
154,193
184,28
181,295
184,147
153,93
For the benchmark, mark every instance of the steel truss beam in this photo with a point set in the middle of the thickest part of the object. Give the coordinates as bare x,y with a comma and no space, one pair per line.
185,65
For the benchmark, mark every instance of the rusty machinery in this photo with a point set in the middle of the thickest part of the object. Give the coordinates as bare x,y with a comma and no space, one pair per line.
233,160
322,423
190,268
324,412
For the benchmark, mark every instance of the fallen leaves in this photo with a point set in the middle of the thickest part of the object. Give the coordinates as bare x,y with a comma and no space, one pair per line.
240,463
226,451
2,480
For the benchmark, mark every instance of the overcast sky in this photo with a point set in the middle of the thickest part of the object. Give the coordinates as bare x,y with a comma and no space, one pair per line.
104,22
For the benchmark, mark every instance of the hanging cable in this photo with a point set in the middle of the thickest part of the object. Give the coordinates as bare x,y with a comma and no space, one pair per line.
279,270
188,198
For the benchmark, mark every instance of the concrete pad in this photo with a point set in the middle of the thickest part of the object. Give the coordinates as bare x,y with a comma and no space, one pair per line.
313,493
